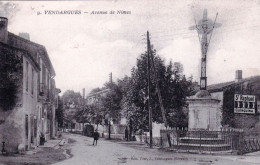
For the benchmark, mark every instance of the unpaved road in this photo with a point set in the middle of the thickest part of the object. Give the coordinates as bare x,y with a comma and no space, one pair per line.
118,153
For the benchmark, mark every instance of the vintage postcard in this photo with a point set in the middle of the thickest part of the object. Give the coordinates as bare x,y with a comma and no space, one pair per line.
130,82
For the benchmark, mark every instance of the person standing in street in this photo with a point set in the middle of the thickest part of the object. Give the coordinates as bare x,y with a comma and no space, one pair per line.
96,136
126,134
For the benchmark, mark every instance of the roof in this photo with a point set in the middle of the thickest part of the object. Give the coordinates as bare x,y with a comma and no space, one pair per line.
32,48
221,86
98,93
24,52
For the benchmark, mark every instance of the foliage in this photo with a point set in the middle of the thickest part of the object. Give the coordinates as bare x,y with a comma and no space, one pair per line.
72,102
174,88
111,101
128,97
107,105
228,107
88,114
179,89
71,99
228,115
10,78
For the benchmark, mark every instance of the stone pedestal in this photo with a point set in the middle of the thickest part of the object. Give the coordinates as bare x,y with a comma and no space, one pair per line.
204,112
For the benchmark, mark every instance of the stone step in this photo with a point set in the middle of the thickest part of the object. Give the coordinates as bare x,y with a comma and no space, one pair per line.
201,151
191,140
200,134
202,147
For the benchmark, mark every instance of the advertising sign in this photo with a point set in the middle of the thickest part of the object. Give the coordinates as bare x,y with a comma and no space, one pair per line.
244,104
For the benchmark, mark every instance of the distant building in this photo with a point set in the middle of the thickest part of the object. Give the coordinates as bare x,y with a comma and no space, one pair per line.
94,98
37,95
226,91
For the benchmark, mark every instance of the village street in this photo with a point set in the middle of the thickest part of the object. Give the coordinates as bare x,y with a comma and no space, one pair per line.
120,152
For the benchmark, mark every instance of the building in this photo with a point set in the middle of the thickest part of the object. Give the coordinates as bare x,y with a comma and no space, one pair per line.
243,115
94,98
226,91
33,110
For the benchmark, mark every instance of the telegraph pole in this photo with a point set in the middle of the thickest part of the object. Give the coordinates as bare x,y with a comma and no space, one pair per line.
158,91
149,93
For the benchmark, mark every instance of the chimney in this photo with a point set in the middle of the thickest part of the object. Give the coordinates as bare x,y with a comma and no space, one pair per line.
83,93
25,36
3,29
110,78
238,76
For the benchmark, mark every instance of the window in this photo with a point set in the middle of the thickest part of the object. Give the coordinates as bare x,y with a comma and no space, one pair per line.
32,83
48,81
26,75
42,74
26,126
38,57
35,126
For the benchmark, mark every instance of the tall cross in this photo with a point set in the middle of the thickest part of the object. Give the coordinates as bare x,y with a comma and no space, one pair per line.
204,28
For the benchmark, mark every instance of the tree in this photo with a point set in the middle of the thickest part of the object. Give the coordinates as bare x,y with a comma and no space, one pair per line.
83,114
73,103
112,100
179,89
70,97
174,89
134,100
228,107
59,113
96,114
228,115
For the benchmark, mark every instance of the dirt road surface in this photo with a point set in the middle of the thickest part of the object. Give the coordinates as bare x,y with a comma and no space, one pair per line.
121,153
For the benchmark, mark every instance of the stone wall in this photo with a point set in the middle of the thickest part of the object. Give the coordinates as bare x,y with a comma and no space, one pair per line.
204,114
116,129
11,121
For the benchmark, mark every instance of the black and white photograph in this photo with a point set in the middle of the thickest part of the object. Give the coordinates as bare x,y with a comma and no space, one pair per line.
120,82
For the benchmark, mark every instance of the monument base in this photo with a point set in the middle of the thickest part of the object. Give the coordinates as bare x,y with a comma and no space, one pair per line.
204,112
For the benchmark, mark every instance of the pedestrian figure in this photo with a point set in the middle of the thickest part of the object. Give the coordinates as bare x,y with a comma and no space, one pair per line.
126,134
96,136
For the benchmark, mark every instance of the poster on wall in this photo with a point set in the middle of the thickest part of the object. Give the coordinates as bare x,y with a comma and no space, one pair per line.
244,104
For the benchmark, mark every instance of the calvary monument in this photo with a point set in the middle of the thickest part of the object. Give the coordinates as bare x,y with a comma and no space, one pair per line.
204,111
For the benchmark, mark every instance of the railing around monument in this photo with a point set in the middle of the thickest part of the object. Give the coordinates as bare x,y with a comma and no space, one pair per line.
226,140
251,142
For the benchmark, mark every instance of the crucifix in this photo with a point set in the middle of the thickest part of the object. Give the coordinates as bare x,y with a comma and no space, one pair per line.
204,28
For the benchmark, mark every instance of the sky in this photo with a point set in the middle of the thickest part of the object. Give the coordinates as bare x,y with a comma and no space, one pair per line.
84,48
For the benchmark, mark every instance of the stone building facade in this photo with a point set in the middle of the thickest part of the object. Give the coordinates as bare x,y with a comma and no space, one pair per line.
36,94
94,98
224,92
223,108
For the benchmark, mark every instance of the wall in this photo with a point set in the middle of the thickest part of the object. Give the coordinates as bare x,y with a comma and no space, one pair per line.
204,114
156,129
3,29
245,121
116,129
11,121
29,101
14,121
218,96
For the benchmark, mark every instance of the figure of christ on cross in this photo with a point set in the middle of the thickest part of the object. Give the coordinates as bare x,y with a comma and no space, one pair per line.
204,28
